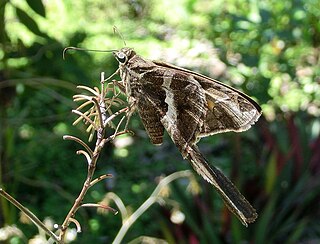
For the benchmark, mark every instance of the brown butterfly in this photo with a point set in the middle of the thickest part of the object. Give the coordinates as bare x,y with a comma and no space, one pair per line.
188,106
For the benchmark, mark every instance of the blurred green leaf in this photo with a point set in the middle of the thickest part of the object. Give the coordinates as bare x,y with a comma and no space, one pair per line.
237,231
37,6
29,22
271,173
297,232
264,221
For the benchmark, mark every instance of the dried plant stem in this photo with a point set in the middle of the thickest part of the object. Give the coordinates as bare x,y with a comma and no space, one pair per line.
87,184
100,178
30,215
86,118
99,127
98,117
89,89
97,205
67,137
101,110
115,115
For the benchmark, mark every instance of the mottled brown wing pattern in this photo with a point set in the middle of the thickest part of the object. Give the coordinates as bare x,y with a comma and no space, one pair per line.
195,108
203,107
151,120
189,106
182,100
226,109
186,104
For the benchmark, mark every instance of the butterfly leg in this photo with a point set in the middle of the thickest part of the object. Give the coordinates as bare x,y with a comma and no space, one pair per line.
131,108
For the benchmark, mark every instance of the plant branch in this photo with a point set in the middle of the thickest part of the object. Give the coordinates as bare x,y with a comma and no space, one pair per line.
98,113
73,138
89,89
86,118
30,215
97,205
100,178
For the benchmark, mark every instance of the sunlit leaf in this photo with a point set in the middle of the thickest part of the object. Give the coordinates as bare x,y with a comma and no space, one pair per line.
28,22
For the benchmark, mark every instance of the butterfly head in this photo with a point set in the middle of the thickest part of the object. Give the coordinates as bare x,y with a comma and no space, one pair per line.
123,55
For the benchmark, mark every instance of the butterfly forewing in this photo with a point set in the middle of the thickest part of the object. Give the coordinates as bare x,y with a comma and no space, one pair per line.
227,109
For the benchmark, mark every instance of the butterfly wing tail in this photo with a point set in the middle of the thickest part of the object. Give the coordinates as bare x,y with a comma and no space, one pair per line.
234,200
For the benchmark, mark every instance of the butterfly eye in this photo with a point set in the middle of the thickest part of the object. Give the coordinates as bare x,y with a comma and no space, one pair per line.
122,58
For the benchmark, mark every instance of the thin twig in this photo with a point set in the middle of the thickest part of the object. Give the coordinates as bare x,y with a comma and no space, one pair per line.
102,81
84,105
88,158
97,89
97,205
96,125
80,97
73,138
100,178
85,117
118,126
92,156
76,222
115,115
98,109
80,118
94,92
30,215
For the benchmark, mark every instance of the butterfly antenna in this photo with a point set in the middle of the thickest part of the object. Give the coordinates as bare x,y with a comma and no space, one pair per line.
84,49
116,31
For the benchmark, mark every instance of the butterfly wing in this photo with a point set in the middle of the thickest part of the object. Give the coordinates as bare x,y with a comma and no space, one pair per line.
151,120
174,97
199,106
190,106
225,108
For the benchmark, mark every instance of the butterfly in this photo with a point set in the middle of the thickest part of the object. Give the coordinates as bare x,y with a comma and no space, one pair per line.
188,106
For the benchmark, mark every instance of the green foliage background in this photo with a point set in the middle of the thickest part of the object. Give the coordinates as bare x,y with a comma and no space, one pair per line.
268,49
